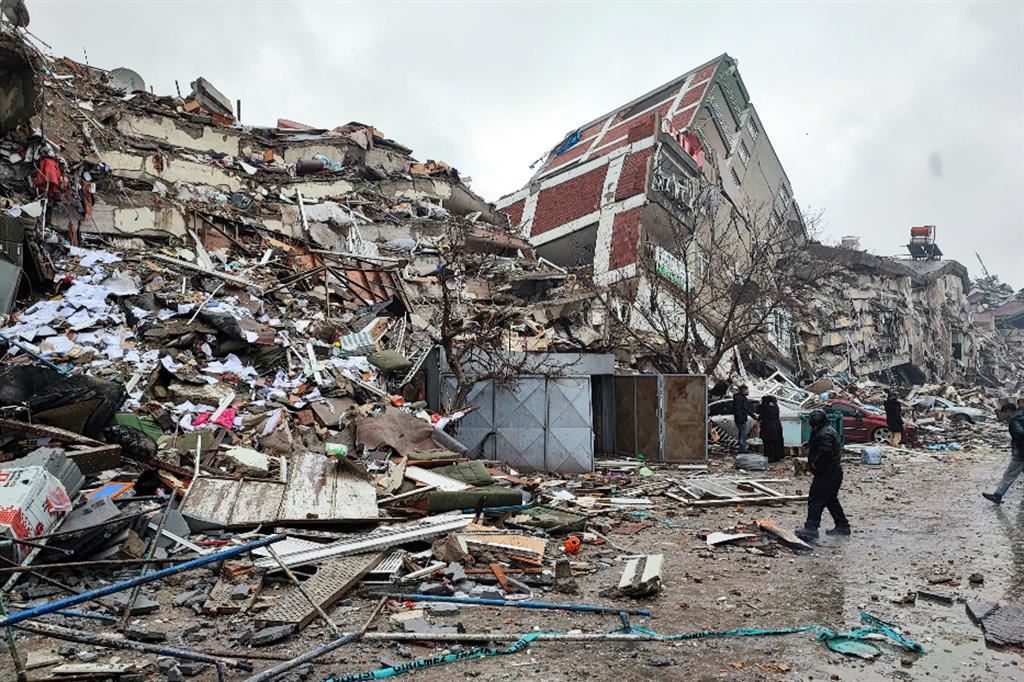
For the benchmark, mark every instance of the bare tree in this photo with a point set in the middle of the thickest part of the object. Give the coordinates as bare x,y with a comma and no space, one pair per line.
733,276
475,337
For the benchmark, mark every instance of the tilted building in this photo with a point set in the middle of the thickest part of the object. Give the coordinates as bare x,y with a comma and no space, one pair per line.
613,183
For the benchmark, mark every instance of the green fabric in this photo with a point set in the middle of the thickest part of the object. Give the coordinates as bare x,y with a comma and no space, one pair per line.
146,425
389,360
473,473
443,500
551,519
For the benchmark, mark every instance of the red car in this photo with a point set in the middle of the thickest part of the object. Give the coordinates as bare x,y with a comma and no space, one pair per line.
861,425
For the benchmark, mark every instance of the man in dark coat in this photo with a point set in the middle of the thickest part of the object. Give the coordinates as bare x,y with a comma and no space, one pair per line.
720,390
894,417
771,428
1015,420
824,461
741,415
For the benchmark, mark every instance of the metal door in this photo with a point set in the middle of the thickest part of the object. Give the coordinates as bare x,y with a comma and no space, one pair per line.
478,425
569,446
520,420
685,420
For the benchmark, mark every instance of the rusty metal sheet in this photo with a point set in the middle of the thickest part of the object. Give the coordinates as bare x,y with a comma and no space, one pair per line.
685,418
625,415
648,439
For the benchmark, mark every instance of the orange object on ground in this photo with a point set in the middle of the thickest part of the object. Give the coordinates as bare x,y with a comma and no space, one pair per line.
572,544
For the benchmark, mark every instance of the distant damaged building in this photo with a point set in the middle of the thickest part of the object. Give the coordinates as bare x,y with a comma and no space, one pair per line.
900,320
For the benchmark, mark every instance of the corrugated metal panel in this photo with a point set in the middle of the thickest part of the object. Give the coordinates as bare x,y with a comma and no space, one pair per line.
477,425
331,580
569,447
520,420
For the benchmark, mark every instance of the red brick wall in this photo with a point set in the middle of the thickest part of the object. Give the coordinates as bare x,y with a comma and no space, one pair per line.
705,73
625,237
633,179
598,153
514,212
568,201
683,118
692,96
578,150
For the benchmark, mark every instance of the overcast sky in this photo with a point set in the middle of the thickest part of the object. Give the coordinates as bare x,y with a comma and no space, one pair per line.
885,115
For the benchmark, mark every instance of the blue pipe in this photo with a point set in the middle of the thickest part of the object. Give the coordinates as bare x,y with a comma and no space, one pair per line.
140,580
588,608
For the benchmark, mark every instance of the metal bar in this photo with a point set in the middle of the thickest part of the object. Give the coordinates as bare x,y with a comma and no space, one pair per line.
140,580
19,665
586,608
763,488
88,564
150,551
411,493
305,593
271,673
118,642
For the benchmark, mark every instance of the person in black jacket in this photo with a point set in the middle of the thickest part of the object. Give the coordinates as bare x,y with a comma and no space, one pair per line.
720,390
894,417
771,428
1015,419
741,415
823,458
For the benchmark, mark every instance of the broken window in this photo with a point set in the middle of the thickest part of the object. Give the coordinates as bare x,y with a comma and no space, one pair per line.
573,250
735,177
744,152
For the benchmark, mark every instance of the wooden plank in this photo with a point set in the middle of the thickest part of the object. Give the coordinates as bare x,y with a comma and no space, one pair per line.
762,487
311,488
211,500
747,500
786,535
256,502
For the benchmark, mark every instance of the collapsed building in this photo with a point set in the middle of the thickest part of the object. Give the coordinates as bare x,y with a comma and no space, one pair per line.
887,318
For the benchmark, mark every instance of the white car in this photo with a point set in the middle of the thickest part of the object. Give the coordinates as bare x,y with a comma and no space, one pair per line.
954,412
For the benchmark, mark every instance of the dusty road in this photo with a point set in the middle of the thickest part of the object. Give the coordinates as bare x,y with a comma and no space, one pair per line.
915,517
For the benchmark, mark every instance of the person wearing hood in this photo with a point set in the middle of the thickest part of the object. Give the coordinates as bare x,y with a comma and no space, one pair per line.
894,418
771,428
1015,420
824,461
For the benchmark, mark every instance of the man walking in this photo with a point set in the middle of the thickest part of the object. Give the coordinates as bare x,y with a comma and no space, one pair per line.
823,458
1015,419
741,414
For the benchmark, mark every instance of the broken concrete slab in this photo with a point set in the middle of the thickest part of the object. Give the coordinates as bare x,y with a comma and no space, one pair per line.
272,634
977,610
141,634
142,605
641,577
1005,625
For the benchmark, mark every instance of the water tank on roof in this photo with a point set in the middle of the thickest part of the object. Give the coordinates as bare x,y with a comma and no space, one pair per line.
127,80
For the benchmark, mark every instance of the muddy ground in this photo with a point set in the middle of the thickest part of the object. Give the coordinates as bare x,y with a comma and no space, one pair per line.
916,517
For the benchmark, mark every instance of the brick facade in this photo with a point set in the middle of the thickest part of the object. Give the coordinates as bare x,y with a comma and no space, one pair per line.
569,200
515,212
633,179
625,238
